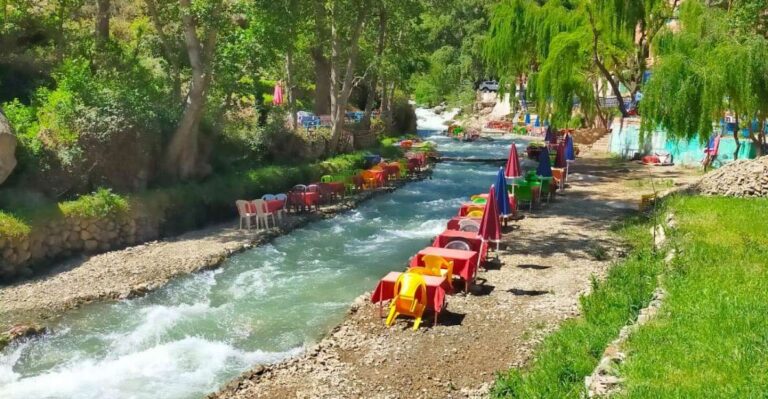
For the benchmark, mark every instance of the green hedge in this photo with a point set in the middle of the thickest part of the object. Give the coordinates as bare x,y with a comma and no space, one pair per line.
184,206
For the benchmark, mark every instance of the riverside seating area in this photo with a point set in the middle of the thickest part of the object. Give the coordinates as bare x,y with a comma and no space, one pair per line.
463,247
306,198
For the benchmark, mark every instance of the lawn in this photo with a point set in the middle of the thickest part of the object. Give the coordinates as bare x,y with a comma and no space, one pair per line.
710,339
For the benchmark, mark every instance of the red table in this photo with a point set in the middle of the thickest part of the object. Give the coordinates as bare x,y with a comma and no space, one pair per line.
475,242
303,199
453,224
380,175
464,262
436,289
275,205
333,188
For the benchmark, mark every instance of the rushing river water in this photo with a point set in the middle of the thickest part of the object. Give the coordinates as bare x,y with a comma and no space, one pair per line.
261,306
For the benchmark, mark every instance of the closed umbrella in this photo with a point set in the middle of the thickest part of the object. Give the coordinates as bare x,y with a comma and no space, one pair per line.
277,96
527,118
560,161
513,163
544,169
569,153
502,197
489,225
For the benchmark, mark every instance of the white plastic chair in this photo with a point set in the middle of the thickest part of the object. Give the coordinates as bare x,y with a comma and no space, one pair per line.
282,211
469,225
242,210
458,244
262,215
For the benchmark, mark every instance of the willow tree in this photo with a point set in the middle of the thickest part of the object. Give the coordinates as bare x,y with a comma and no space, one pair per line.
602,42
717,62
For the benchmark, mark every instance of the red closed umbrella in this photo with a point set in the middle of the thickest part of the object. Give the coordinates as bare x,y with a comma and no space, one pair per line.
560,161
277,96
513,163
490,230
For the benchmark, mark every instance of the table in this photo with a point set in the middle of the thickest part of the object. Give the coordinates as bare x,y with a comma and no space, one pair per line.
464,262
303,199
333,188
436,290
380,175
512,201
475,242
275,205
453,223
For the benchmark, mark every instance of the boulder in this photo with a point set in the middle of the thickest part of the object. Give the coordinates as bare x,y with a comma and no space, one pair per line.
7,149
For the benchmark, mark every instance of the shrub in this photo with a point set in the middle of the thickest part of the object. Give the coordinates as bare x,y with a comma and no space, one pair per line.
12,226
101,203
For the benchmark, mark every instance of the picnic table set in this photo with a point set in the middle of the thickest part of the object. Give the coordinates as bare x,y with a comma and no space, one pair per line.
460,250
331,188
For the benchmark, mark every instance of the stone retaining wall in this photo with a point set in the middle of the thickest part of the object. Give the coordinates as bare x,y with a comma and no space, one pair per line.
70,236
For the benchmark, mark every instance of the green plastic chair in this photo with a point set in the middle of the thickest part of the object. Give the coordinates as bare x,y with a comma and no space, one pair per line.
546,185
479,201
524,193
326,179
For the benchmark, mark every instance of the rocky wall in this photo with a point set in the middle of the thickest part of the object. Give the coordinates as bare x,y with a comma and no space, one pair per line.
70,236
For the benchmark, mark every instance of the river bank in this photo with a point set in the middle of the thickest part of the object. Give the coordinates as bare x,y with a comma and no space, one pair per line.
547,262
138,270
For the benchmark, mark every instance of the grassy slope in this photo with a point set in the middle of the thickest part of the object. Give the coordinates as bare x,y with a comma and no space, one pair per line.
568,355
711,340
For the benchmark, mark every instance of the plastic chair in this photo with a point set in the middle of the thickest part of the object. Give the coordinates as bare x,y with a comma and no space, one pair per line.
326,179
370,180
282,211
524,193
245,214
437,266
262,214
479,201
268,197
475,214
410,298
473,208
458,244
469,225
546,187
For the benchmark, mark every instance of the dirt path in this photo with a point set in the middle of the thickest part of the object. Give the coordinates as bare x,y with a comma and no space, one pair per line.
546,262
134,271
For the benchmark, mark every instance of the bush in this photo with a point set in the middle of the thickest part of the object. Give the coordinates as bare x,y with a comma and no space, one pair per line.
12,226
403,117
99,204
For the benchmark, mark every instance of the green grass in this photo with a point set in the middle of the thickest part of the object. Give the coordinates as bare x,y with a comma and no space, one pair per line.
650,183
711,340
565,357
99,204
12,226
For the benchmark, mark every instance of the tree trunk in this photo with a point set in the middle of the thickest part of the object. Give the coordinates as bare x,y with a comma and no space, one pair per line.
182,156
289,88
322,65
341,87
174,70
373,81
606,74
736,139
102,23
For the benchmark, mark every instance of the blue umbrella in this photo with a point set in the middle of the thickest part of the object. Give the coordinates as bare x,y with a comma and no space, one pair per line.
569,154
544,169
536,123
502,197
527,119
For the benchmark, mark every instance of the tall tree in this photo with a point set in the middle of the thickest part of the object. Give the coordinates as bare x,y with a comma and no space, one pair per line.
182,154
102,22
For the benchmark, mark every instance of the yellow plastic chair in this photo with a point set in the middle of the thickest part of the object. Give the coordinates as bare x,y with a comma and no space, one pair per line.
475,214
370,180
410,298
437,266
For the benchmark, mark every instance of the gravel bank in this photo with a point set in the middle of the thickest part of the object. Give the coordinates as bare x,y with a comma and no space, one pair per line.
742,178
137,270
546,263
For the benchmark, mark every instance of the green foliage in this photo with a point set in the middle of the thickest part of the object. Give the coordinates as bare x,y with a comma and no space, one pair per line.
99,204
12,226
565,357
709,340
716,62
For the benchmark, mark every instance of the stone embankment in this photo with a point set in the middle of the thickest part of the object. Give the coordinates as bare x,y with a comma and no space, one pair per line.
742,178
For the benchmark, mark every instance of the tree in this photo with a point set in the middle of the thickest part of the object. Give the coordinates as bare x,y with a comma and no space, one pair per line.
182,154
606,43
102,23
716,63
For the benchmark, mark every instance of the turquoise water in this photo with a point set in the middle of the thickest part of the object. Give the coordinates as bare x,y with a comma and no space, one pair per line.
263,305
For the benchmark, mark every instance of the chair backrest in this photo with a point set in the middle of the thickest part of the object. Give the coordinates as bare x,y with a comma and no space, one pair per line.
469,225
260,206
241,207
300,188
367,174
312,188
479,201
268,197
475,214
433,264
326,179
458,244
410,291
473,208
281,197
